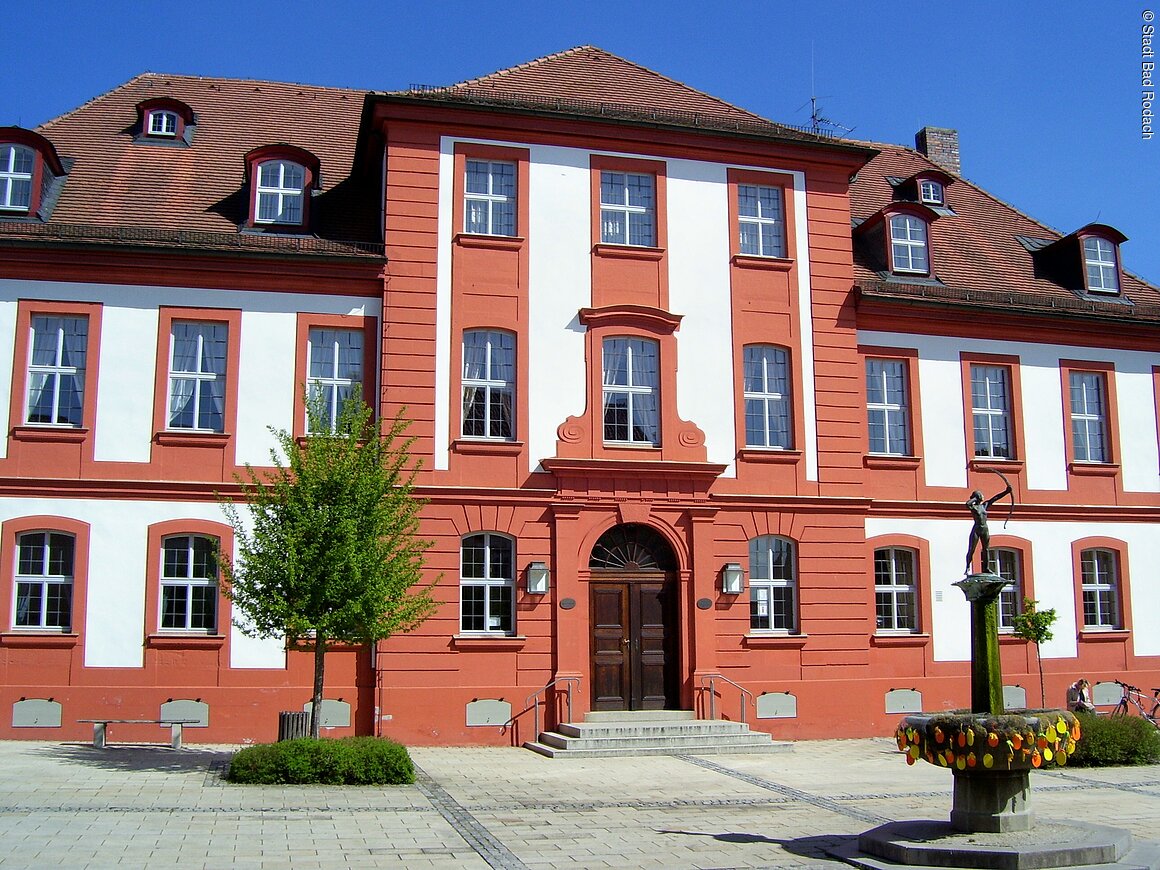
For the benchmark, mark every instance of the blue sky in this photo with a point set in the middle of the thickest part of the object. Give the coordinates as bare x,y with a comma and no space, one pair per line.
1046,96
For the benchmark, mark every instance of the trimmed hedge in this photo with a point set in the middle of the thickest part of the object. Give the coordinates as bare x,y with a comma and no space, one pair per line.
1116,740
346,761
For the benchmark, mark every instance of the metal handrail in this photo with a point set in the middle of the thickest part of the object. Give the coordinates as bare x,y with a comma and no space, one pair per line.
712,678
536,706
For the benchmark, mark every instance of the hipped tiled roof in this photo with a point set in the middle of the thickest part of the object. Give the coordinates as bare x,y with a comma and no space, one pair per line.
588,81
158,190
980,253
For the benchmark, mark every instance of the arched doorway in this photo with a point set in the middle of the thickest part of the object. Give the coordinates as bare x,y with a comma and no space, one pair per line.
634,621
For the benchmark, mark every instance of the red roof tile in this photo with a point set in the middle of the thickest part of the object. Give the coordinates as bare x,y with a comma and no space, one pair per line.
976,248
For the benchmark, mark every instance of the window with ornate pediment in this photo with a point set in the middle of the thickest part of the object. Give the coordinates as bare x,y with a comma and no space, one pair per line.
282,179
29,171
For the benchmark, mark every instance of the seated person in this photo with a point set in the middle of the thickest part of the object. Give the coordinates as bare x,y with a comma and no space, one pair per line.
1079,697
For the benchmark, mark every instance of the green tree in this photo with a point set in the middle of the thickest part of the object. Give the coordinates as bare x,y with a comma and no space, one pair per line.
1035,625
327,541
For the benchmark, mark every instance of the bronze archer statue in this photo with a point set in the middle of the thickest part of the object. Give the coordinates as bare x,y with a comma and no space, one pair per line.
980,533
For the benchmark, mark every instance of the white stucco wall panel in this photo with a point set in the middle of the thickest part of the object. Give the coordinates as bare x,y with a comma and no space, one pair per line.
266,387
1052,570
8,309
1045,421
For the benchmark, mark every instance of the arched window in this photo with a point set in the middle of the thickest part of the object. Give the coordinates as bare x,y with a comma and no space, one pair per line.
489,371
767,397
16,165
895,590
908,245
773,598
189,584
44,580
487,584
281,186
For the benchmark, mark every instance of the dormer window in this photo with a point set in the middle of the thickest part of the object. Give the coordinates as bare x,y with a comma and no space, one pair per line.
908,245
163,123
280,187
930,192
16,164
30,174
282,179
1099,260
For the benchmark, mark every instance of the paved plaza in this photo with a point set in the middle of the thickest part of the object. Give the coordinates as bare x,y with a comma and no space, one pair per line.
70,805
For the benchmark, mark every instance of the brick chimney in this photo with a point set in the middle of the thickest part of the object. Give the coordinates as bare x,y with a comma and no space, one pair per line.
941,145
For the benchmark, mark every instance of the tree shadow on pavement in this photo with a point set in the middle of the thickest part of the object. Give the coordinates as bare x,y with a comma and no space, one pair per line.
141,757
809,847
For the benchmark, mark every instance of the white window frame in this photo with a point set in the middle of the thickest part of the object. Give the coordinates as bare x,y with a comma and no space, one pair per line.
1008,564
1101,593
1100,267
909,248
991,410
163,123
199,377
773,585
764,218
931,192
499,208
639,220
282,193
774,362
1088,392
45,579
494,388
55,371
632,392
13,178
889,414
490,585
891,588
183,585
325,346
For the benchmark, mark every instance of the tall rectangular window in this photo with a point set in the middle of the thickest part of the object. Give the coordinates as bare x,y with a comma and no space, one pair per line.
197,376
281,186
628,208
16,163
44,580
1099,258
886,406
189,587
772,584
631,388
761,220
895,592
766,387
56,369
1089,421
489,370
487,583
333,371
991,410
1008,565
1100,575
489,198
908,249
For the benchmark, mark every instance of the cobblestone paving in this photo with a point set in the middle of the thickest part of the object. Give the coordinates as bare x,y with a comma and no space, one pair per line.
69,805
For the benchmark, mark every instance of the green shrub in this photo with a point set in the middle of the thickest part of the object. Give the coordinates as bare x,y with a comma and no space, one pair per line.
348,761
1116,740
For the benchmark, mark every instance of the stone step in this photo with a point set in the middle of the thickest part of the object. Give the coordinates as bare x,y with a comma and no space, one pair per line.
635,751
640,716
695,727
673,742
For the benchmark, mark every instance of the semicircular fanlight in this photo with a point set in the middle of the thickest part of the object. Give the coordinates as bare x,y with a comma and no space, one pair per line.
632,547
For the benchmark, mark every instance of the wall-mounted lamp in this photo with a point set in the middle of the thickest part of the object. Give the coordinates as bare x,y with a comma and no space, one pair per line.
732,578
538,579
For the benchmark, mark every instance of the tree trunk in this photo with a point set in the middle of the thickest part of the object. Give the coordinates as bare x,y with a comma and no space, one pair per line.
1042,690
316,700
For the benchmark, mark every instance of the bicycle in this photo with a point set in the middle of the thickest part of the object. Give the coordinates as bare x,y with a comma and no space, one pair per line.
1131,696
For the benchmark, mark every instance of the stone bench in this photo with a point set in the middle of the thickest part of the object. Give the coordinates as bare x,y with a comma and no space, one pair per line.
101,727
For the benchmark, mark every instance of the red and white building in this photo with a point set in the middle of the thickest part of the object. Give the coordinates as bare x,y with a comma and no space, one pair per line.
695,394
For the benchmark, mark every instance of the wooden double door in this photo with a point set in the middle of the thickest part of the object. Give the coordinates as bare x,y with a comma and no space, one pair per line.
634,643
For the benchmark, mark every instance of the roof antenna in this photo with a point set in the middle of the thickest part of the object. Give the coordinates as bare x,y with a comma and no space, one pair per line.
820,125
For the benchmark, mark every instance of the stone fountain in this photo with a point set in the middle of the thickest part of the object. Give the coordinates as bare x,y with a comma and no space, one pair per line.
991,752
